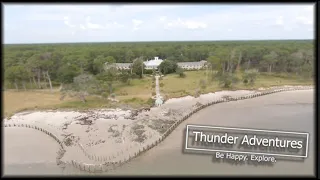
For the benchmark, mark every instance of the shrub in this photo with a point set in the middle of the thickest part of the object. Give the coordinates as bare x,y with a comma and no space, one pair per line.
227,79
168,66
53,83
150,102
113,95
203,84
148,71
249,77
105,94
180,72
129,81
124,77
135,76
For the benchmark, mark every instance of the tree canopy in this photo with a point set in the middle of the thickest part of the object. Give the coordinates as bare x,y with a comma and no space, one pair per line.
53,64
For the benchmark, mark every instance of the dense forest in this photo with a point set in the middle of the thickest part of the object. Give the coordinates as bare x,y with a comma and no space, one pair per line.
47,65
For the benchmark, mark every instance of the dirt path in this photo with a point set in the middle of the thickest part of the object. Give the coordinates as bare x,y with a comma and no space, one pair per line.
159,98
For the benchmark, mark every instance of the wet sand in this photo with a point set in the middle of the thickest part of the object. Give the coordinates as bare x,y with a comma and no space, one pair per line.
292,111
25,146
112,134
286,111
22,149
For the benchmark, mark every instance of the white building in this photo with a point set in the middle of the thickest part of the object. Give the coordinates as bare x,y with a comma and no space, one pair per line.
192,65
153,63
149,64
123,66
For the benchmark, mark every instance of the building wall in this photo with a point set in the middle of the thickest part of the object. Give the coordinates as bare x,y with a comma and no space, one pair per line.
186,66
123,68
151,67
194,67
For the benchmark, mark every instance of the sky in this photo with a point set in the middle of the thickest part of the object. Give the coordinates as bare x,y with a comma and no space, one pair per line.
62,23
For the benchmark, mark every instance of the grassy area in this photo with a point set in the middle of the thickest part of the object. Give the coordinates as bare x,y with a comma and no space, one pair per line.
15,101
137,87
136,94
175,86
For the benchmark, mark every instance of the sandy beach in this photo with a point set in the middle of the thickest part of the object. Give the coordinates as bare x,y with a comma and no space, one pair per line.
98,136
285,111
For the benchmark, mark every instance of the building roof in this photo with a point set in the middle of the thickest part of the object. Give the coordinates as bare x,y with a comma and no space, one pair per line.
156,62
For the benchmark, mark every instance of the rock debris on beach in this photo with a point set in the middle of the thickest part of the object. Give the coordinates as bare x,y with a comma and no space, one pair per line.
106,132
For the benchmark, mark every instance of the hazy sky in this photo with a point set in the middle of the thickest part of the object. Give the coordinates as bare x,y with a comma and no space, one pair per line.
155,22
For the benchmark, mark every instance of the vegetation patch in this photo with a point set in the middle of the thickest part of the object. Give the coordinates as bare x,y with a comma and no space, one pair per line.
115,133
138,130
83,76
161,126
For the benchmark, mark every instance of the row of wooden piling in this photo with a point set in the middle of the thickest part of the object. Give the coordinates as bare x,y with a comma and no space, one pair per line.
110,165
61,151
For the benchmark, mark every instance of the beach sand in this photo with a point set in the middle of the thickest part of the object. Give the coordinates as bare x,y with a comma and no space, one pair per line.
105,134
291,111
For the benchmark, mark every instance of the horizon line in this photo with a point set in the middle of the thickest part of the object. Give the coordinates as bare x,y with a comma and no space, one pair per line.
153,41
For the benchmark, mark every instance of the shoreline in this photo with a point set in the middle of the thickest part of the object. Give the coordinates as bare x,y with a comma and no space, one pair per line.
142,127
48,109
